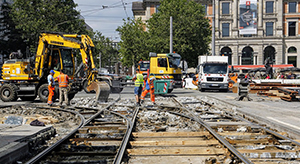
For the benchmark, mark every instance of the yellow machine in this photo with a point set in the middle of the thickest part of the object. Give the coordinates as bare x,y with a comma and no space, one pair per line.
166,67
26,78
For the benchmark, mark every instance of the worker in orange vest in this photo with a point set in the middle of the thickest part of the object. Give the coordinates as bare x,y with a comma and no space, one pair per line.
51,88
148,87
63,81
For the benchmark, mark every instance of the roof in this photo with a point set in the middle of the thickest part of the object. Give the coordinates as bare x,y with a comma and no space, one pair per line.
136,6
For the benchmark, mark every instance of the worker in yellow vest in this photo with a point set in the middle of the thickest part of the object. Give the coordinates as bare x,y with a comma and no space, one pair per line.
63,81
138,86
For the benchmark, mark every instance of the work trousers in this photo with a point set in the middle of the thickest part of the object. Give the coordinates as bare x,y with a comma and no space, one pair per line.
63,93
152,96
51,94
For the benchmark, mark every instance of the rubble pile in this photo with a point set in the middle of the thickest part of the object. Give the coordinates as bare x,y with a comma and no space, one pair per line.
84,102
63,122
163,121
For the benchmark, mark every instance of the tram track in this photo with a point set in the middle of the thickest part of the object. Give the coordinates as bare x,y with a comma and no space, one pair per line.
255,142
184,130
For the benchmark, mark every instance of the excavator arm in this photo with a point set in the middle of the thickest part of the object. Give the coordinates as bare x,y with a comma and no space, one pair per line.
85,45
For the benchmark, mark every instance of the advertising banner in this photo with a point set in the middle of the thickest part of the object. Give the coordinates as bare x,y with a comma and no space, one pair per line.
248,17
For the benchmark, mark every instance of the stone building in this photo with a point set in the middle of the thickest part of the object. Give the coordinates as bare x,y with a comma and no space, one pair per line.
275,29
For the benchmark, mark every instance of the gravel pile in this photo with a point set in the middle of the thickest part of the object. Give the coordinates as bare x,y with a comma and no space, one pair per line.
164,121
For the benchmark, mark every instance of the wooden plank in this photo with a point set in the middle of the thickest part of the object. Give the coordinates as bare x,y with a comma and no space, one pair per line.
171,139
177,151
175,143
169,134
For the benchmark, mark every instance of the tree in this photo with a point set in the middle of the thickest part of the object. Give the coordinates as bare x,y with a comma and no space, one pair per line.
103,45
133,44
36,16
191,29
9,35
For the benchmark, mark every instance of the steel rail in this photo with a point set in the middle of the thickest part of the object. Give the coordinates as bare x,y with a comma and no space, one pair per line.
83,123
215,134
254,124
49,149
125,141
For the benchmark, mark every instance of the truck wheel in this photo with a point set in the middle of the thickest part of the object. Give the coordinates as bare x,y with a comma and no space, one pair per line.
28,98
202,89
8,93
43,92
85,84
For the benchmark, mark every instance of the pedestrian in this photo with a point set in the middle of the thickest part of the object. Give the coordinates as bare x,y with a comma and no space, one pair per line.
148,87
63,81
51,87
138,86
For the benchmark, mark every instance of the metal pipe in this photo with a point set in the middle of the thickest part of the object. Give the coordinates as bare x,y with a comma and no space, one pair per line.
213,30
171,34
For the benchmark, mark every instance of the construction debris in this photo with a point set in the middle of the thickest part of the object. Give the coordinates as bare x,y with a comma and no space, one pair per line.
284,93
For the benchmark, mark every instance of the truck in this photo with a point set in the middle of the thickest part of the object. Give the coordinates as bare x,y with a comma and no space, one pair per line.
143,66
165,66
212,73
26,78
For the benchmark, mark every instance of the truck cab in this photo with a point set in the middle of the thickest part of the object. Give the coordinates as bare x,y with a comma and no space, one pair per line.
213,73
166,67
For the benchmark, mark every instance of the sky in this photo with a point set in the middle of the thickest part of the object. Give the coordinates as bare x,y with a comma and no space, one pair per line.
105,15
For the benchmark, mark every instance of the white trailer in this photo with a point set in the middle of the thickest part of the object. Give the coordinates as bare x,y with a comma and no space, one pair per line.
213,73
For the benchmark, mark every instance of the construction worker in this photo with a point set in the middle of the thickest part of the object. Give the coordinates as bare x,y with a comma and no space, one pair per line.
63,81
148,87
138,86
51,88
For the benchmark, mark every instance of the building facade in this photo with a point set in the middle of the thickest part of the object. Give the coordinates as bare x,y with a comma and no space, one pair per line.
248,36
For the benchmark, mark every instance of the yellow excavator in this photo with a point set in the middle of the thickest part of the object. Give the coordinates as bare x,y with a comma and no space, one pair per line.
27,78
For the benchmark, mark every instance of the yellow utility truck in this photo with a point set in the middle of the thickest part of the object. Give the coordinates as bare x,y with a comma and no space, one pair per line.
27,78
166,67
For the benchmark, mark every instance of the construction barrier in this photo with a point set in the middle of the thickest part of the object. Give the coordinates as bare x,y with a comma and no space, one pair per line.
188,83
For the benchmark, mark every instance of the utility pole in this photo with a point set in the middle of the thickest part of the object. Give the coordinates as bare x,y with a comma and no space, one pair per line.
99,61
171,35
213,30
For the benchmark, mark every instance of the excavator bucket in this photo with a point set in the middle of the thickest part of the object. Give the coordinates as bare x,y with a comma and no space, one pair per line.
102,90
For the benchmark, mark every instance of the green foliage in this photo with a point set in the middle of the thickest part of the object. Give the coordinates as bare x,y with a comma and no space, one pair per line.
133,44
191,30
36,16
9,36
103,45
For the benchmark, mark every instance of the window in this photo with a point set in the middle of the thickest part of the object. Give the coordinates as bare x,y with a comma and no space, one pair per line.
225,29
156,8
269,29
292,60
292,7
292,50
205,7
292,28
225,8
269,6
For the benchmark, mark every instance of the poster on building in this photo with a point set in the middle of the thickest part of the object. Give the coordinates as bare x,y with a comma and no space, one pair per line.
248,17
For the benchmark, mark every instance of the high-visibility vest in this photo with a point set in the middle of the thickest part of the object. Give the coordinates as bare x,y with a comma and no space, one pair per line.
63,80
139,80
151,84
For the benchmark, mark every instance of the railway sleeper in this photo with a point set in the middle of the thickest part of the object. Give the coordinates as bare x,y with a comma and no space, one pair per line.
72,159
108,149
177,151
281,154
100,136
